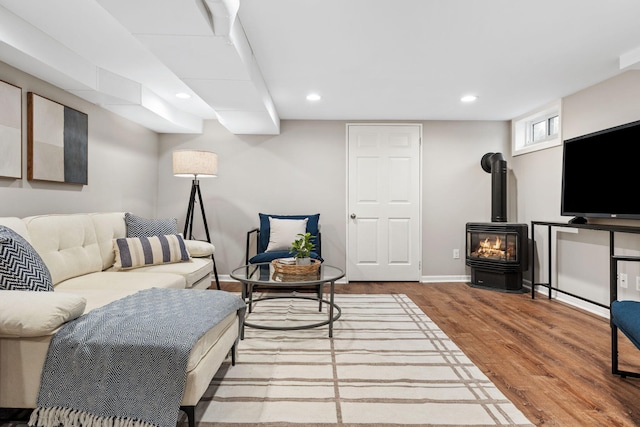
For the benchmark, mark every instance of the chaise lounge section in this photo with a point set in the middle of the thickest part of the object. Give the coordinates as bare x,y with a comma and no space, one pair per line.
78,250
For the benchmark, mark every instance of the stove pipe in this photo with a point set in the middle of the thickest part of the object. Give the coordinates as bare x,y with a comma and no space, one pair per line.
496,165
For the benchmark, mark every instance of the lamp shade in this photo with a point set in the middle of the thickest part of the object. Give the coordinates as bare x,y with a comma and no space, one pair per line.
190,163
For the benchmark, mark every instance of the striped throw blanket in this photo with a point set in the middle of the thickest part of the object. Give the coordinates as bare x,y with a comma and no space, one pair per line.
124,364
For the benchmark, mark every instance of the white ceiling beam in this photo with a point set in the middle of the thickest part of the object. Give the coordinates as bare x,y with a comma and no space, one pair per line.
204,45
29,49
270,121
223,13
139,104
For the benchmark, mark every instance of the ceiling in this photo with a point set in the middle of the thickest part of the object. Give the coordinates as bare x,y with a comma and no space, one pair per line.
250,63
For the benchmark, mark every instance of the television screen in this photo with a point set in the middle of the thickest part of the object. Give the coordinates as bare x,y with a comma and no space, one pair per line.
601,174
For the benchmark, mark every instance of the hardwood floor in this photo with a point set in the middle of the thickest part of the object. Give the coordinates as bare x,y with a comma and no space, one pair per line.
550,359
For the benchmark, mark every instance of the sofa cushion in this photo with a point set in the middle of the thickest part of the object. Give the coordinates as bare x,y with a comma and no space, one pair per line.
67,244
135,252
17,225
96,297
32,314
193,271
208,340
117,281
108,226
145,227
21,268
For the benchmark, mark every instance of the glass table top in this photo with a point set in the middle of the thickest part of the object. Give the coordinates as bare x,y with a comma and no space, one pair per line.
265,274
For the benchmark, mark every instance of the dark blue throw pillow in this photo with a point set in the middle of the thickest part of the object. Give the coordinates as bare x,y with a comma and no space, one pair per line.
312,227
21,268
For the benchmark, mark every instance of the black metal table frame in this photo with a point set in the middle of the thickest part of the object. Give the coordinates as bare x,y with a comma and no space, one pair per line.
613,276
334,309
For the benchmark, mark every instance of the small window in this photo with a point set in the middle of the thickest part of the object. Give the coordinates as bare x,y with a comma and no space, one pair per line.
543,129
537,130
554,125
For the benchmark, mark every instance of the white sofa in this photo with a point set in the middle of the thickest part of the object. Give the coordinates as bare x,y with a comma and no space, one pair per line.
78,251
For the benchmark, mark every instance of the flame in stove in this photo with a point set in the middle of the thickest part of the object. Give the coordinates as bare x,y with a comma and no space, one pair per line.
490,249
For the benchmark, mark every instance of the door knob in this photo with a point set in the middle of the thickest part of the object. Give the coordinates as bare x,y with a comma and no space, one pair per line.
353,216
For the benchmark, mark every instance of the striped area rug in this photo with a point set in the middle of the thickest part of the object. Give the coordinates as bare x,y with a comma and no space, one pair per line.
387,364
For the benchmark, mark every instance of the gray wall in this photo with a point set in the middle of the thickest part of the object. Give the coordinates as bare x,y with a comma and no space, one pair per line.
122,160
456,189
303,170
582,258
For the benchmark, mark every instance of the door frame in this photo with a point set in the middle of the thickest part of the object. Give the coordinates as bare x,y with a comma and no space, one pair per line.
420,188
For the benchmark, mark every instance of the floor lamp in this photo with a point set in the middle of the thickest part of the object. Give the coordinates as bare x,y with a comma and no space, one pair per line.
196,164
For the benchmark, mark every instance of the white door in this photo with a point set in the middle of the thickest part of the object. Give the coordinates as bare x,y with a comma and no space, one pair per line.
384,228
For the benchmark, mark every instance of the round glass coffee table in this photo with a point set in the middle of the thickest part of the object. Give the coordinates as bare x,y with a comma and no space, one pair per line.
264,275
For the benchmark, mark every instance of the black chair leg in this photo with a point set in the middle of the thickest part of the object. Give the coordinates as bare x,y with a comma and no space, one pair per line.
615,370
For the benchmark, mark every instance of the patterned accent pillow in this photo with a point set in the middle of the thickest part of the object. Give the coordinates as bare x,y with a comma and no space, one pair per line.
144,227
21,268
135,252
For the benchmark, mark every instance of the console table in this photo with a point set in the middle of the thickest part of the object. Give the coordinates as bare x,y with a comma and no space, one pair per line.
613,258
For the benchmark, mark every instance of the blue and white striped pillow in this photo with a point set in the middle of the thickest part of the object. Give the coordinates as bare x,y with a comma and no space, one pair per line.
132,252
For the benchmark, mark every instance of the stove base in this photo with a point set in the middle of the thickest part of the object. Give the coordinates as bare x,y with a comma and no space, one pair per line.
496,280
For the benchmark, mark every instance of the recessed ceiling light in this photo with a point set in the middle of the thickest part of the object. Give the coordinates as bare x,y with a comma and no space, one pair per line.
313,97
468,98
183,95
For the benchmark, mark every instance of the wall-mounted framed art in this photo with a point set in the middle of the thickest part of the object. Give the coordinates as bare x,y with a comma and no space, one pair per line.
57,138
10,130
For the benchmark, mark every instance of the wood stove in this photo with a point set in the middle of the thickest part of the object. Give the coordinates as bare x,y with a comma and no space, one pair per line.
497,254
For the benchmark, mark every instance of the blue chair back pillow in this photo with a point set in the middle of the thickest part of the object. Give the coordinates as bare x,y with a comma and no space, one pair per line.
263,242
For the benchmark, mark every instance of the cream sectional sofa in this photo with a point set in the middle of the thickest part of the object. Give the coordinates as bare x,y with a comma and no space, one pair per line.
78,251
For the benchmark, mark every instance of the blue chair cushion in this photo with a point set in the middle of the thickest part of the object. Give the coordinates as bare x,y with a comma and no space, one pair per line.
270,256
263,242
626,316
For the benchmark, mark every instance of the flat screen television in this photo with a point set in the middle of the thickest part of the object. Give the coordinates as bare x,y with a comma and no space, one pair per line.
601,174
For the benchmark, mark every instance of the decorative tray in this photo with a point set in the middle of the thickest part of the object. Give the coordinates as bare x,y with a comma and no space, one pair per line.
284,266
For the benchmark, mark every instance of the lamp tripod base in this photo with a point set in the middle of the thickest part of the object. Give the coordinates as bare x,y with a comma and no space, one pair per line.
188,225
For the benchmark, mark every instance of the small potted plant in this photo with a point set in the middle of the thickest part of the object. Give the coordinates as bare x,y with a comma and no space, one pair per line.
301,249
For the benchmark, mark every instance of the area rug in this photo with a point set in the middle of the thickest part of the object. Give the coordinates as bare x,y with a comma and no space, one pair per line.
387,364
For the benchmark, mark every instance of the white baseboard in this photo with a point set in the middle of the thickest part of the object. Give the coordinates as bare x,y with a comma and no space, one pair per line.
542,292
441,279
